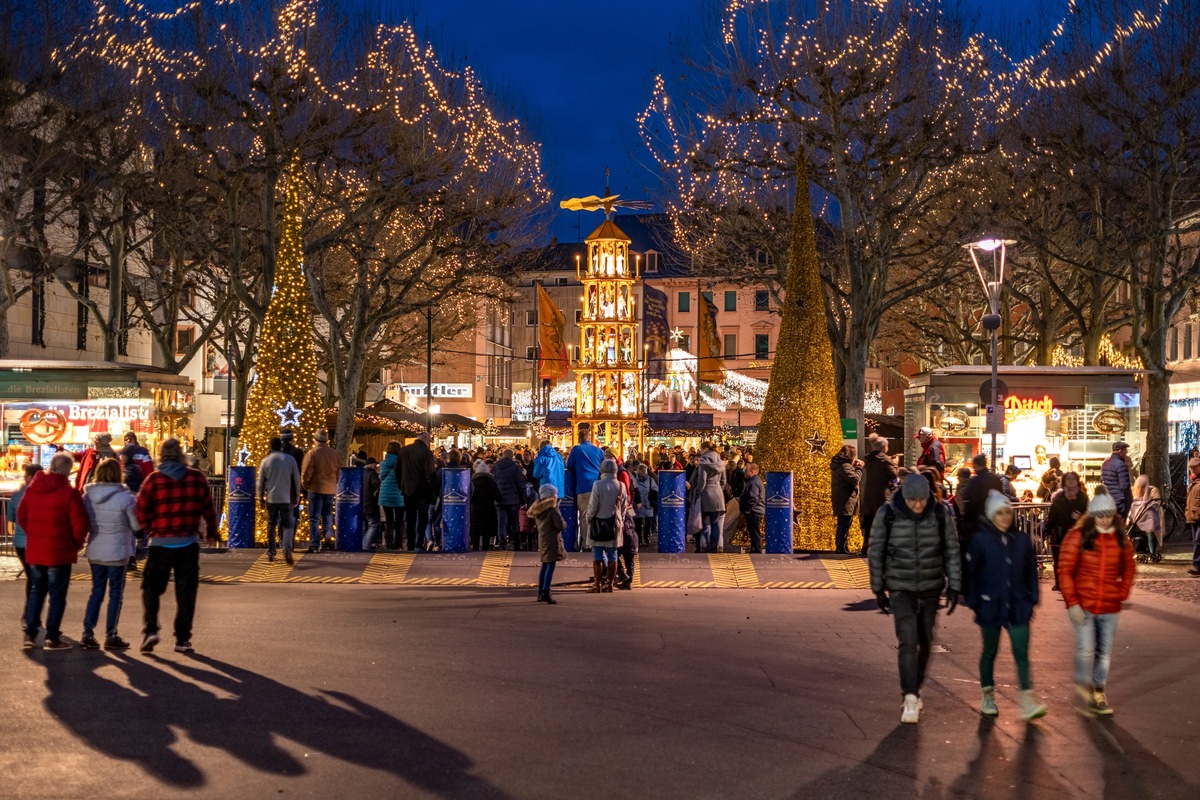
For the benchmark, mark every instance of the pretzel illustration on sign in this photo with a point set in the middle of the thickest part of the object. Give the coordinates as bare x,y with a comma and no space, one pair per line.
43,425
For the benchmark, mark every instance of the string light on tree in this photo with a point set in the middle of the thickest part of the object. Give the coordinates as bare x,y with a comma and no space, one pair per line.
285,370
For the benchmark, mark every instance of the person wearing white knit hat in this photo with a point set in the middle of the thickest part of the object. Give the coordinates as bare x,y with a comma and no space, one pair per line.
1002,590
1095,575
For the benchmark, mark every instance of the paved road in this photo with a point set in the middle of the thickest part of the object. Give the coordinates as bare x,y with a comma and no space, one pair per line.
462,692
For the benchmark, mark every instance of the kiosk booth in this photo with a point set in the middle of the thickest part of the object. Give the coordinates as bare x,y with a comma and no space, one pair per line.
1075,413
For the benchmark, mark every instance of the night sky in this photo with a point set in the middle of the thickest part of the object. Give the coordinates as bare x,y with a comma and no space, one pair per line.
579,72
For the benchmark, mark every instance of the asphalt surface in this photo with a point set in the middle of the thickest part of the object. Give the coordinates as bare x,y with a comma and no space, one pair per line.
467,692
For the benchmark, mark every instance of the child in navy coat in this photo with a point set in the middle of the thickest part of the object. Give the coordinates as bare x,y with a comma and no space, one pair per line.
1002,590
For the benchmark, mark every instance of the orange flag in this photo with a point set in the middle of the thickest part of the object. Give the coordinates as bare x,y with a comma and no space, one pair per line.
552,361
711,367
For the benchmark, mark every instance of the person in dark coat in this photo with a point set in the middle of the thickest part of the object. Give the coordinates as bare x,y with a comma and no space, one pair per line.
1114,474
483,506
753,502
879,476
1003,590
370,502
512,486
417,468
1067,507
984,481
846,473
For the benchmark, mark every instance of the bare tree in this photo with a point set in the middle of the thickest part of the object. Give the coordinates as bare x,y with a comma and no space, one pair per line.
867,88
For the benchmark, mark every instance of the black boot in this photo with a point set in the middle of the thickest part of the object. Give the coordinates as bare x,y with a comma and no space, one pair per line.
550,599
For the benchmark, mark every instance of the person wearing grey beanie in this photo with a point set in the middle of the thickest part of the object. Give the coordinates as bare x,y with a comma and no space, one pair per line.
551,549
913,556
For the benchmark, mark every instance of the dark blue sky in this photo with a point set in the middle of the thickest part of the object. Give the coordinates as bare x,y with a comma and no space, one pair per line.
579,72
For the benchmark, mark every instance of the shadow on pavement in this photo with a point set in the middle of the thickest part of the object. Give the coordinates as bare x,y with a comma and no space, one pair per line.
242,713
891,770
1132,771
862,605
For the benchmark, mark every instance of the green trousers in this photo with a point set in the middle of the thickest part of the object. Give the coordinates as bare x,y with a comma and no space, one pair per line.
1018,636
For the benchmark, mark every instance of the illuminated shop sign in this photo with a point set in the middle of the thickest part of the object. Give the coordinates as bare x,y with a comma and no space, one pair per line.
1022,407
456,391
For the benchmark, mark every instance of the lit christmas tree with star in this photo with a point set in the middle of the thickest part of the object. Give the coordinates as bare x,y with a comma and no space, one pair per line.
285,392
801,427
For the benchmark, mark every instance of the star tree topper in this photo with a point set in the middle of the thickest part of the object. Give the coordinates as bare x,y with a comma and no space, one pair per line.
816,444
289,414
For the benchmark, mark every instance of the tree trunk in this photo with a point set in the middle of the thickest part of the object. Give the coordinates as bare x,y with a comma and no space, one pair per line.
346,405
1157,440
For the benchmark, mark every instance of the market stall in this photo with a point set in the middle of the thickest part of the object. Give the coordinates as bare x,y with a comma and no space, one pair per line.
1074,413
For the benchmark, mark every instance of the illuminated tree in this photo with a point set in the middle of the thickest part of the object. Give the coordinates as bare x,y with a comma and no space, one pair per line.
285,389
801,424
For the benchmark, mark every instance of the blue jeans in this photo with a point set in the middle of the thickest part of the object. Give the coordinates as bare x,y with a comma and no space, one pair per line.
843,532
545,576
711,531
279,516
1093,648
47,580
320,509
1196,546
605,555
370,530
112,578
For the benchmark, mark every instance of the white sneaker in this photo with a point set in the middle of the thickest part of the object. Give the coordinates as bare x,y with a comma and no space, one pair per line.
912,709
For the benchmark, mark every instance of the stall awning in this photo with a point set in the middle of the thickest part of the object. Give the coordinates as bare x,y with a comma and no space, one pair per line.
696,423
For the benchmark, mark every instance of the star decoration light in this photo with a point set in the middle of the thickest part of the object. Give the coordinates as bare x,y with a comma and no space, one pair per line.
289,414
676,336
243,454
816,444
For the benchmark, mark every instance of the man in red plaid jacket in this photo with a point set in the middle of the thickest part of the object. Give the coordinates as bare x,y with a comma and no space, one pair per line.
170,506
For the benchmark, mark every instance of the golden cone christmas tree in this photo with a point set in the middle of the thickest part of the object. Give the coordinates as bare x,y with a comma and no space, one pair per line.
285,392
801,428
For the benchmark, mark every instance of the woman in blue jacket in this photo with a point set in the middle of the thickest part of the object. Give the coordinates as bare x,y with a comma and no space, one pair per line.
1002,590
391,501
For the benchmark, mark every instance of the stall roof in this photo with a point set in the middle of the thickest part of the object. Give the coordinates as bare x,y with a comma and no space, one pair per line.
986,370
680,422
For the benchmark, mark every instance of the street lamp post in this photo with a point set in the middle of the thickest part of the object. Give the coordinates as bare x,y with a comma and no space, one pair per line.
991,276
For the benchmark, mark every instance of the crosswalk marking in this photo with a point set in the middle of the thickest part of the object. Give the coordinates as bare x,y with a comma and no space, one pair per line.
496,566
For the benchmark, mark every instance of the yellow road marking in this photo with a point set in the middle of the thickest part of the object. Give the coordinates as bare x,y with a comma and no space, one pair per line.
847,573
264,571
496,566
388,568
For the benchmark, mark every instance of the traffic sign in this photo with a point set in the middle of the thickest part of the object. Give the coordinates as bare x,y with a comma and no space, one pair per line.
994,419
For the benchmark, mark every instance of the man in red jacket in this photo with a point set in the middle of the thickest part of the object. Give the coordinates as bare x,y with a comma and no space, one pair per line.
56,526
170,506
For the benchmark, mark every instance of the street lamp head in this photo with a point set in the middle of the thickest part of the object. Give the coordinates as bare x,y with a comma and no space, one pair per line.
989,244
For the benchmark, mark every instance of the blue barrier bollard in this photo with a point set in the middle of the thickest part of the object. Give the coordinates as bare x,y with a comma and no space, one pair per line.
239,492
672,508
566,505
779,513
456,510
348,510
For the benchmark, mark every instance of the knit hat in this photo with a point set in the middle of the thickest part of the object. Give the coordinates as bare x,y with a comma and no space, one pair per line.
321,436
608,466
994,503
286,434
548,492
480,466
1102,505
915,486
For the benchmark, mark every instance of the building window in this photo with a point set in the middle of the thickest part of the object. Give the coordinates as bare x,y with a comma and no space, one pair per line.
530,353
560,281
531,318
185,337
731,301
578,315
651,262
1173,342
575,354
685,302
1187,342
762,346
685,342
731,345
762,300
708,296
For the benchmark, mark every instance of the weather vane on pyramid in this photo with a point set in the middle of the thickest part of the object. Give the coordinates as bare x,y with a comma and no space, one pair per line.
609,202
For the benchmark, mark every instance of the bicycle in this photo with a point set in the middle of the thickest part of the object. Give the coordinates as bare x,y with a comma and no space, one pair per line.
1173,516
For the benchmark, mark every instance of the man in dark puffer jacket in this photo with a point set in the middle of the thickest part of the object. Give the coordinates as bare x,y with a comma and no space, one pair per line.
913,555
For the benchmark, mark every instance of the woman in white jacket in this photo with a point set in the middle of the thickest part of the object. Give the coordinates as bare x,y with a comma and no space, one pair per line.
110,508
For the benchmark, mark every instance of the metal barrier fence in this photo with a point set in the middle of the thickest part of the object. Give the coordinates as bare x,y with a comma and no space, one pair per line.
1031,520
215,485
